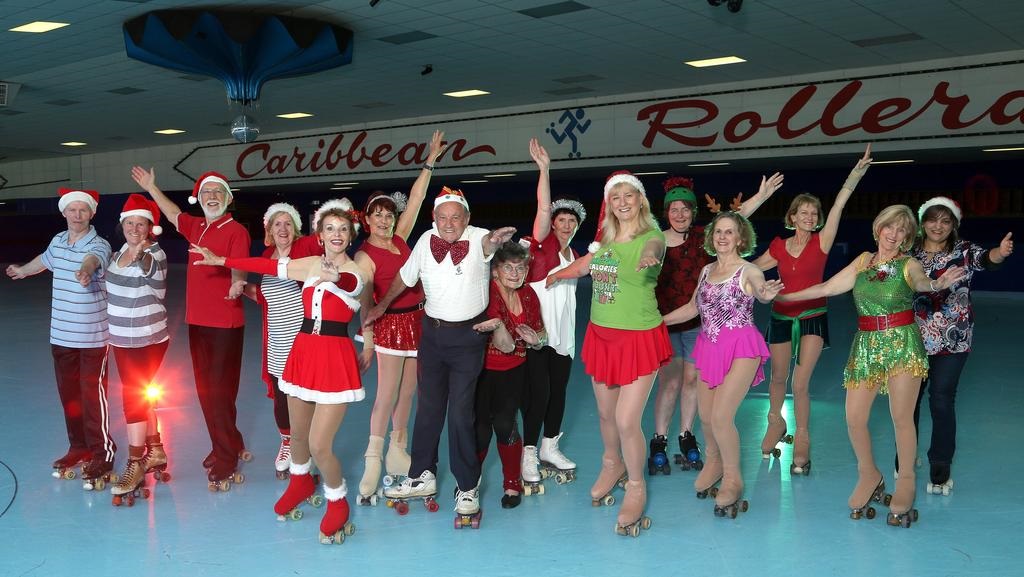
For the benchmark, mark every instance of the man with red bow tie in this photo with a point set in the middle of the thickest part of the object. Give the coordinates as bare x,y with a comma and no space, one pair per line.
451,260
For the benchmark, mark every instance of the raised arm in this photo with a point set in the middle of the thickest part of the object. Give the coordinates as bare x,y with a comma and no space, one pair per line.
34,266
754,284
828,232
496,238
840,283
768,187
297,269
1000,253
147,180
542,222
418,192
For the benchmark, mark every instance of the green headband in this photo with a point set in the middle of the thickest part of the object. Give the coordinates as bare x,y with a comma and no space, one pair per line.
680,193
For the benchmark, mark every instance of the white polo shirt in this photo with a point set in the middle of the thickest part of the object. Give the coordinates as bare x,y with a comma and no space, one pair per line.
454,293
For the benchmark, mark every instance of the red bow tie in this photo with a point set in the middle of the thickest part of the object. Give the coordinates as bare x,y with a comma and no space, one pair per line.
440,247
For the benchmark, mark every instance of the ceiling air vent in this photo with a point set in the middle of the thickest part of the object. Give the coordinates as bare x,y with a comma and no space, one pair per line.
8,90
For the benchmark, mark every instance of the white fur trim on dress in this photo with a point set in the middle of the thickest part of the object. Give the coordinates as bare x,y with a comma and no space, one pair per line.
285,208
624,178
303,469
321,397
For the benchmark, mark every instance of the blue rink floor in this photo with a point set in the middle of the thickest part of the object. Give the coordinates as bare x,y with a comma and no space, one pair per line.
795,525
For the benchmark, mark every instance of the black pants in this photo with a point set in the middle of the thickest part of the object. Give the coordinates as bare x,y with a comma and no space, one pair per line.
82,387
280,406
943,379
448,363
216,365
498,394
544,395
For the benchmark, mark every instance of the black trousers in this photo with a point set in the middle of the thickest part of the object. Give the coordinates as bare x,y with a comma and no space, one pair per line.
217,366
448,363
498,395
82,387
941,384
543,403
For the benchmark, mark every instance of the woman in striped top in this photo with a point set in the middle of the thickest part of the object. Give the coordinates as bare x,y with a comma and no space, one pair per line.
281,300
136,281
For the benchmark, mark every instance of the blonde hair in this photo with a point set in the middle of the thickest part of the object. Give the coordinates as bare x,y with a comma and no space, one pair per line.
610,225
896,214
748,238
267,239
800,200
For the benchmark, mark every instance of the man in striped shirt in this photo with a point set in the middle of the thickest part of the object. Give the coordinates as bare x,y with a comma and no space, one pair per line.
78,331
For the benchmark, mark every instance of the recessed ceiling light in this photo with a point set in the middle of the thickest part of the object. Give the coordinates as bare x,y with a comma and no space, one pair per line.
341,188
715,61
465,93
710,164
907,161
292,115
169,131
345,184
472,181
652,173
1013,148
39,27
73,143
498,175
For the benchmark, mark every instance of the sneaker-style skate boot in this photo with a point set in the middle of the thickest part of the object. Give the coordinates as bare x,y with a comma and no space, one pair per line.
301,487
901,505
940,483
689,453
728,501
132,484
411,488
368,491
801,464
775,434
554,463
96,474
612,473
870,488
658,461
397,461
532,484
156,459
631,514
284,457
467,508
64,467
335,526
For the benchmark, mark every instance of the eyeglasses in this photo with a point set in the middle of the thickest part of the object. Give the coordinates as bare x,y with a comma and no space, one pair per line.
510,269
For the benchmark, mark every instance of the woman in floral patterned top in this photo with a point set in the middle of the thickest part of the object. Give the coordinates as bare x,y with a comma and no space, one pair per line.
887,355
946,320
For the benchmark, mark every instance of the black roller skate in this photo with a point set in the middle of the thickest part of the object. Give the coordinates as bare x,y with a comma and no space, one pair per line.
658,461
689,453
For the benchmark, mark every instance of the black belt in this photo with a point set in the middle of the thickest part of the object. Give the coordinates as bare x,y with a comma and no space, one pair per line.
450,324
402,310
327,328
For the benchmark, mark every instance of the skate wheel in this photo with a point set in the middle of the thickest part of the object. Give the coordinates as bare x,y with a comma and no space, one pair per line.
871,513
224,485
788,439
458,522
475,523
776,452
245,455
634,530
164,477
887,499
116,501
732,511
540,489
402,508
645,523
238,478
719,512
620,530
295,514
527,490
212,487
608,500
387,481
281,475
431,505
130,500
855,514
316,500
561,479
69,474
913,515
389,503
98,485
349,529
145,493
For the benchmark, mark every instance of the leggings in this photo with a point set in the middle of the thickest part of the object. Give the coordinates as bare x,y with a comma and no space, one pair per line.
280,405
544,393
498,395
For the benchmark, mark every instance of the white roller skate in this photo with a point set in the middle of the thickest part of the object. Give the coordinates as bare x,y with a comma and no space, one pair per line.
554,463
467,508
284,457
532,476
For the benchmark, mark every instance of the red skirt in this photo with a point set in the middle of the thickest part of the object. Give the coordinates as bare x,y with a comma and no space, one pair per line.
322,369
616,357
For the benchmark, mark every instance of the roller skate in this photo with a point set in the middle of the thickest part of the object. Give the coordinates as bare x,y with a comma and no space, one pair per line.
397,461
423,487
301,487
64,467
284,457
335,526
658,461
775,434
728,502
801,464
710,474
532,484
612,473
901,504
368,491
554,463
467,508
132,484
631,514
689,453
863,495
97,474
156,459
940,483
221,476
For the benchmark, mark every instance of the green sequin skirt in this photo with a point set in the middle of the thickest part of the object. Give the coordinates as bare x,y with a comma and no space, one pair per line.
877,355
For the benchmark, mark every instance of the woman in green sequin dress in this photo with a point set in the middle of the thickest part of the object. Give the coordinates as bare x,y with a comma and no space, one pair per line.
887,355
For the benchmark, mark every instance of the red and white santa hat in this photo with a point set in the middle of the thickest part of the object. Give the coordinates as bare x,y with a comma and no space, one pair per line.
210,177
69,195
451,195
285,208
615,178
947,202
138,205
343,204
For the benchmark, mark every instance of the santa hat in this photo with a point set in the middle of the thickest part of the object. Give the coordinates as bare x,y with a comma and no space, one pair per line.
138,205
679,188
949,203
451,195
285,208
69,195
614,179
210,177
344,204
